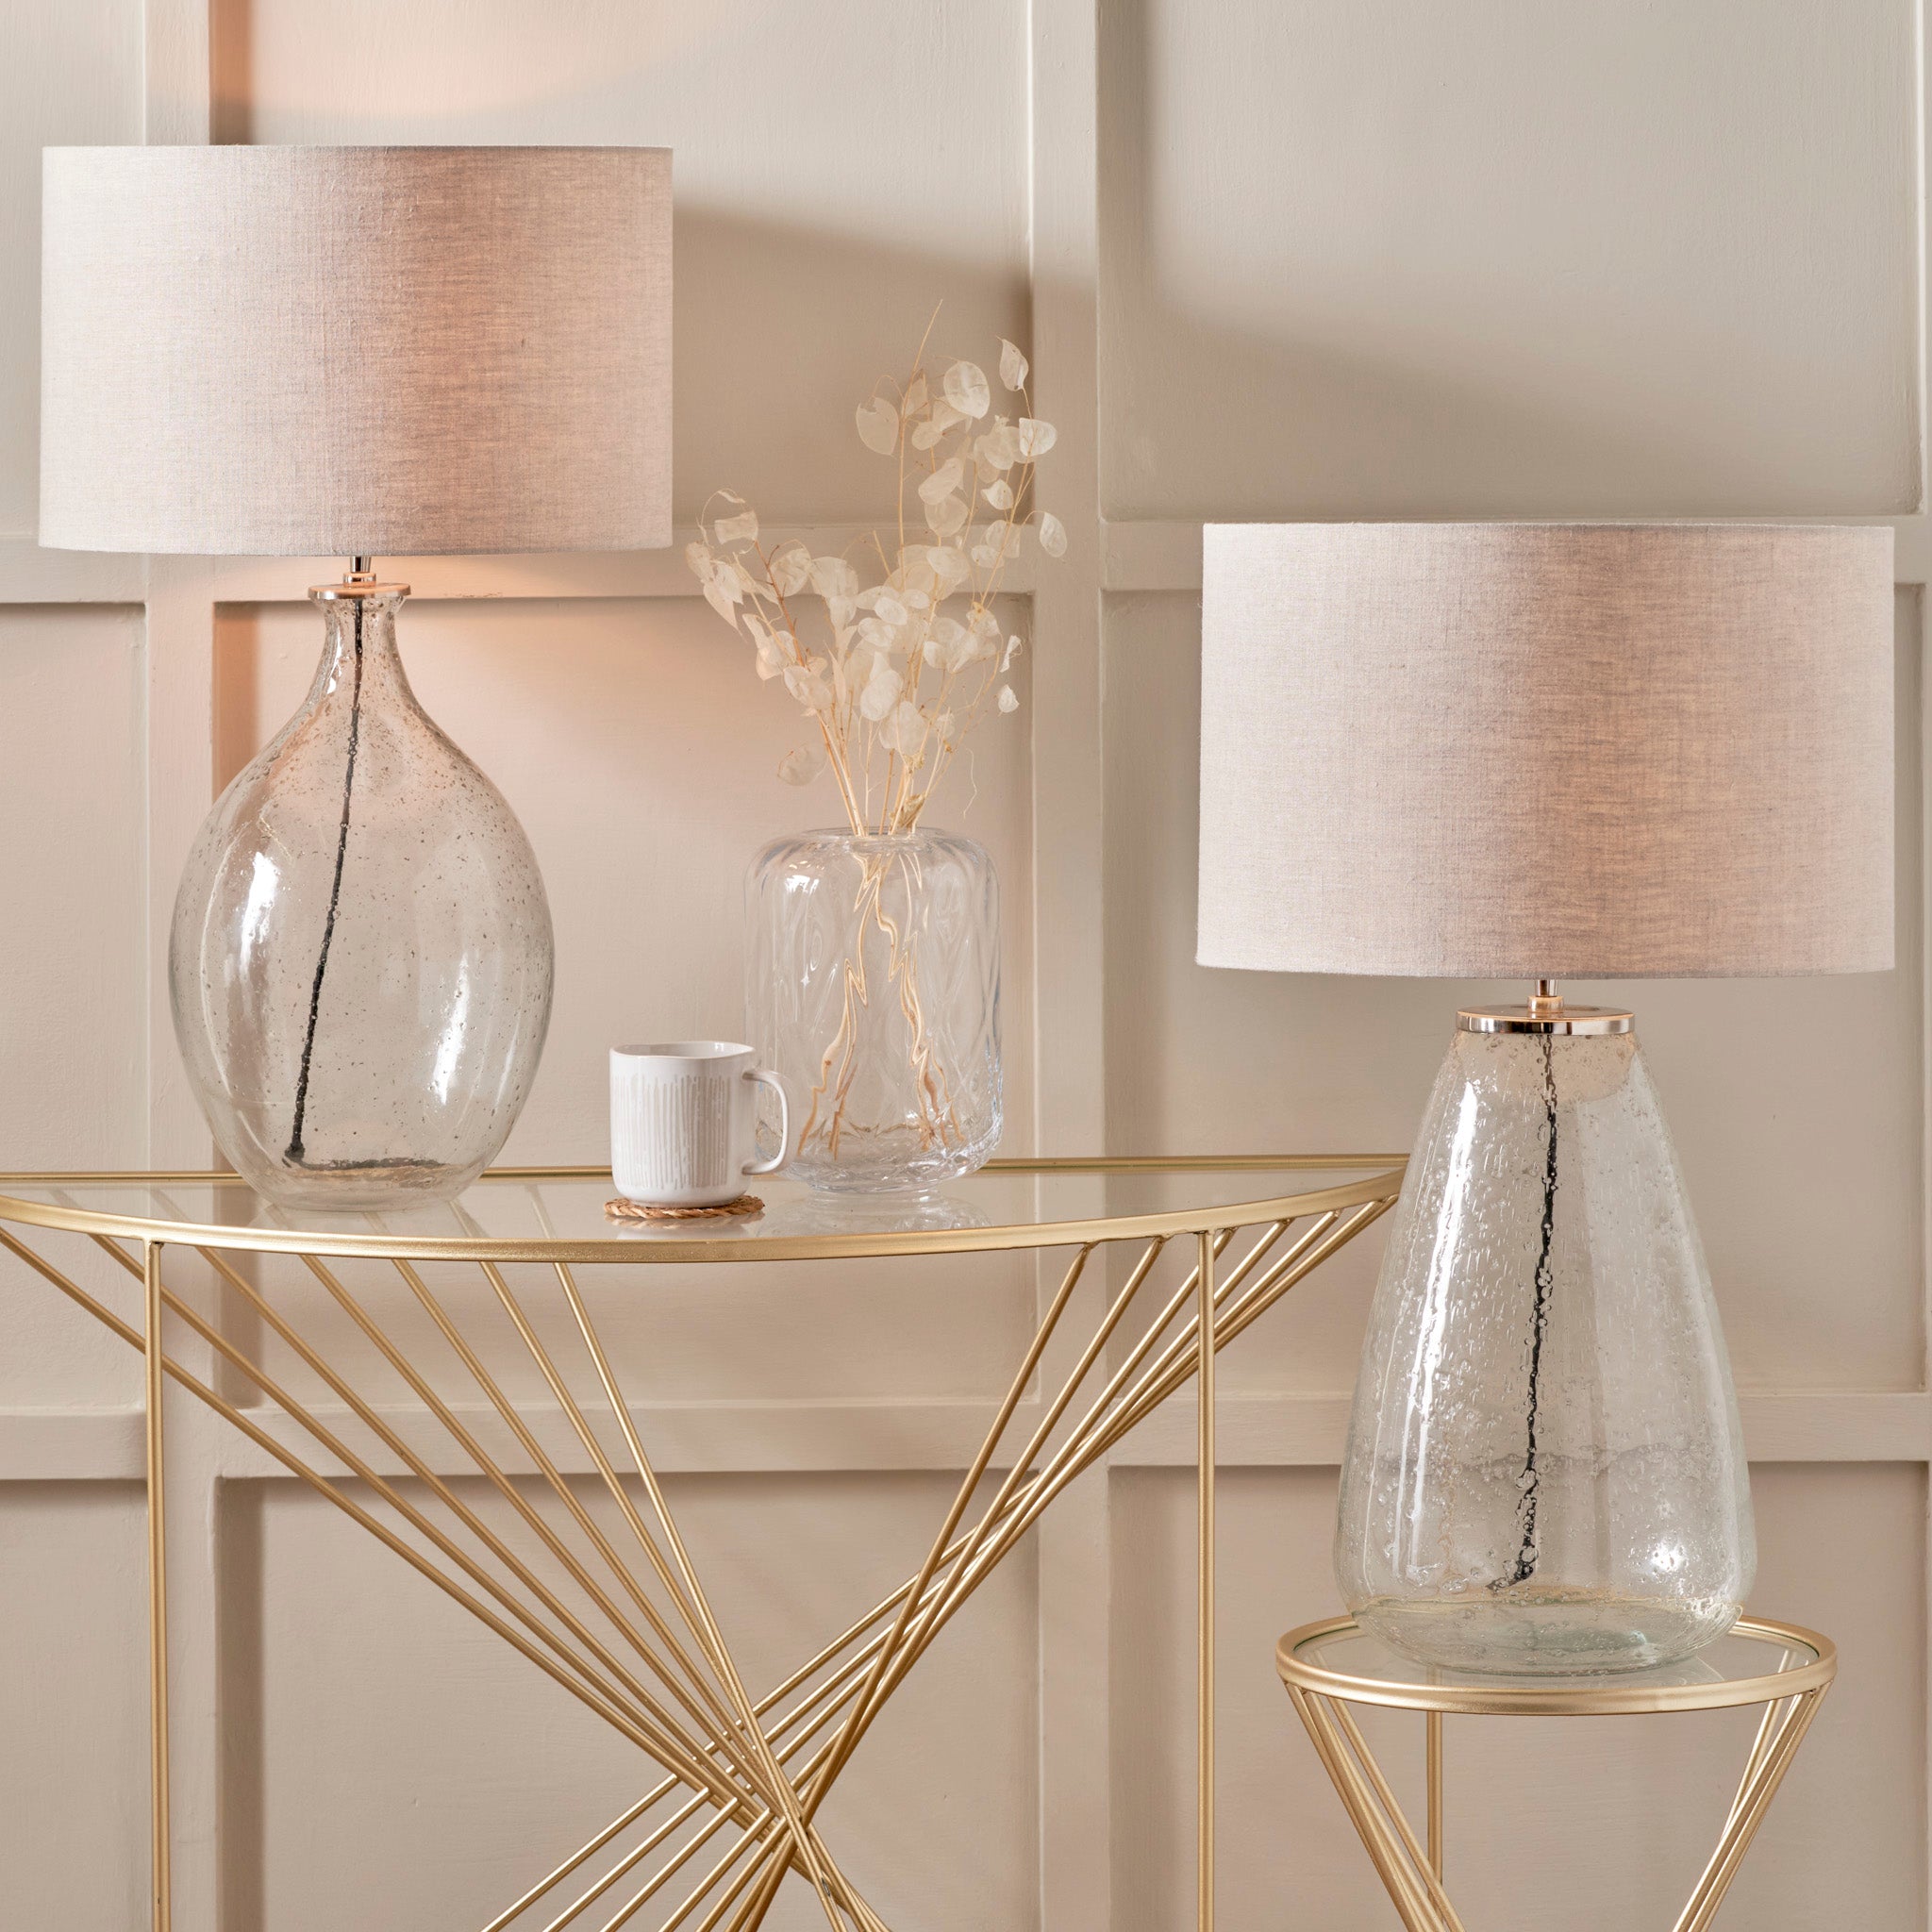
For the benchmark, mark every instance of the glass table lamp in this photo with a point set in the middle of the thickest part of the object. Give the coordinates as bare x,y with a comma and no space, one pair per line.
1546,751
352,352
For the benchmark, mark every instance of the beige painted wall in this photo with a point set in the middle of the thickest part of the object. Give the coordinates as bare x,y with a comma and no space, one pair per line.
1273,257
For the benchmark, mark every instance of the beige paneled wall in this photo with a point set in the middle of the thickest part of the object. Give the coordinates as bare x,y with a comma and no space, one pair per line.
1272,259
70,75
73,1046
73,1703
1496,259
73,1065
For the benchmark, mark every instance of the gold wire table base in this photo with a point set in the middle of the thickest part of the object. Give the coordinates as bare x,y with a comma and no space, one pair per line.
1411,1869
600,1593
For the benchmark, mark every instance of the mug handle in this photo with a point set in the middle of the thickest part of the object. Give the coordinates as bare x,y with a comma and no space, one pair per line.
768,1079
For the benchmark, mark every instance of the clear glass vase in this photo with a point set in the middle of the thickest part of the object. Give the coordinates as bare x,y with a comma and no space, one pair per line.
1544,1471
360,959
875,995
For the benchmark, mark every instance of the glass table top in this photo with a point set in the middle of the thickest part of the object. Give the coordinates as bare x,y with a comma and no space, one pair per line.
1006,1205
1747,1665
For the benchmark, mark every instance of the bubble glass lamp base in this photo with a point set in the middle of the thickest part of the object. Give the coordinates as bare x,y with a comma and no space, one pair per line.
1545,1471
360,960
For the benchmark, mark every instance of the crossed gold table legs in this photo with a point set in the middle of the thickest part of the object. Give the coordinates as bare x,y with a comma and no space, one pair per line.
598,1590
1411,1869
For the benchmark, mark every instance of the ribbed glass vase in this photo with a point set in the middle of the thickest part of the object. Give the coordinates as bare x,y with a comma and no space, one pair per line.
360,957
874,993
1544,1471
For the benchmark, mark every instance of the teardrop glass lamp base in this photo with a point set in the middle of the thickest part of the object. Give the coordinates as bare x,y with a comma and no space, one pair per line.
1544,1471
1553,1631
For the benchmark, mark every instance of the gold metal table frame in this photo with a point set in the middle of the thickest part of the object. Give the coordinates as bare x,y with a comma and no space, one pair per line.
605,1600
1791,1690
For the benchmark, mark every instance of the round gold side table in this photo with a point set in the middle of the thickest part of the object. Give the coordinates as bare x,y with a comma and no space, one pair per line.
1328,1666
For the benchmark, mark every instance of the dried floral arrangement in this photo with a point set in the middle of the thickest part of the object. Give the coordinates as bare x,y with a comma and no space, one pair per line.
895,674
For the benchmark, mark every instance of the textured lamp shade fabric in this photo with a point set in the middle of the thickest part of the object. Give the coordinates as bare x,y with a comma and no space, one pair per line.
1509,750
292,351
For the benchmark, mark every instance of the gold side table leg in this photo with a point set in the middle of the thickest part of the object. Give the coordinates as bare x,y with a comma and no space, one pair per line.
1358,1780
1413,1877
1433,1751
1204,1689
156,1593
1771,1758
1414,1859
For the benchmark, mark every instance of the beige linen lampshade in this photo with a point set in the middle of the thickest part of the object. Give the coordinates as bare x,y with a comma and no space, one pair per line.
1514,750
337,350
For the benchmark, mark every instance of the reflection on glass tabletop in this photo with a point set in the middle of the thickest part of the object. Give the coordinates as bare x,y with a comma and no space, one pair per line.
1006,1205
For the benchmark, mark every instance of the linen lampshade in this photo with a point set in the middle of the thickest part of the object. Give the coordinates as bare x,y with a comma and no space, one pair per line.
1513,750
393,351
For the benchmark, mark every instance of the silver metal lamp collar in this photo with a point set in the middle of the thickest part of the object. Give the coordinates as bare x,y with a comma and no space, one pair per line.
1545,1013
358,581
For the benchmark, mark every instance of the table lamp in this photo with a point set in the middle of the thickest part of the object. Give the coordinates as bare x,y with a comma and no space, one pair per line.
1542,751
358,351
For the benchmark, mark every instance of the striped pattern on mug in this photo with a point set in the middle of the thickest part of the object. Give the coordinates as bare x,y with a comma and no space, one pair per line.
676,1133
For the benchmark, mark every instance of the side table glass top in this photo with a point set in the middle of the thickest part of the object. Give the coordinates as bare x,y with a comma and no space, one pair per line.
514,1212
1755,1662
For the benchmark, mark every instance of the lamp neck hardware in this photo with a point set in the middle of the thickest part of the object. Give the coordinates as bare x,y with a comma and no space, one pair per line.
1546,1011
359,580
1545,1003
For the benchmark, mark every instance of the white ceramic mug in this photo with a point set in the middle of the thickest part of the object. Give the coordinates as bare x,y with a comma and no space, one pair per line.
684,1119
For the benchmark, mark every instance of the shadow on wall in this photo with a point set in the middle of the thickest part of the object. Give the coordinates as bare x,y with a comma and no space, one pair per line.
1479,299
780,331
1410,300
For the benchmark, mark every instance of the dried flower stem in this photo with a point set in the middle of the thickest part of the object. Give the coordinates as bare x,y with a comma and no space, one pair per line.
938,1123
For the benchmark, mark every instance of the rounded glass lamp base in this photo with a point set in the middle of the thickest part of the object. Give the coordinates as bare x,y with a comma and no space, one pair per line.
360,960
340,1187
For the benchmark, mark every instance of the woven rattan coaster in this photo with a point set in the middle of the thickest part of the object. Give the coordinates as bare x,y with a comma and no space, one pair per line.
639,1210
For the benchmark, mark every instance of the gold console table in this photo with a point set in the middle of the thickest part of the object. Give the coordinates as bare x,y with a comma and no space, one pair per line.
607,1603
1325,1667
